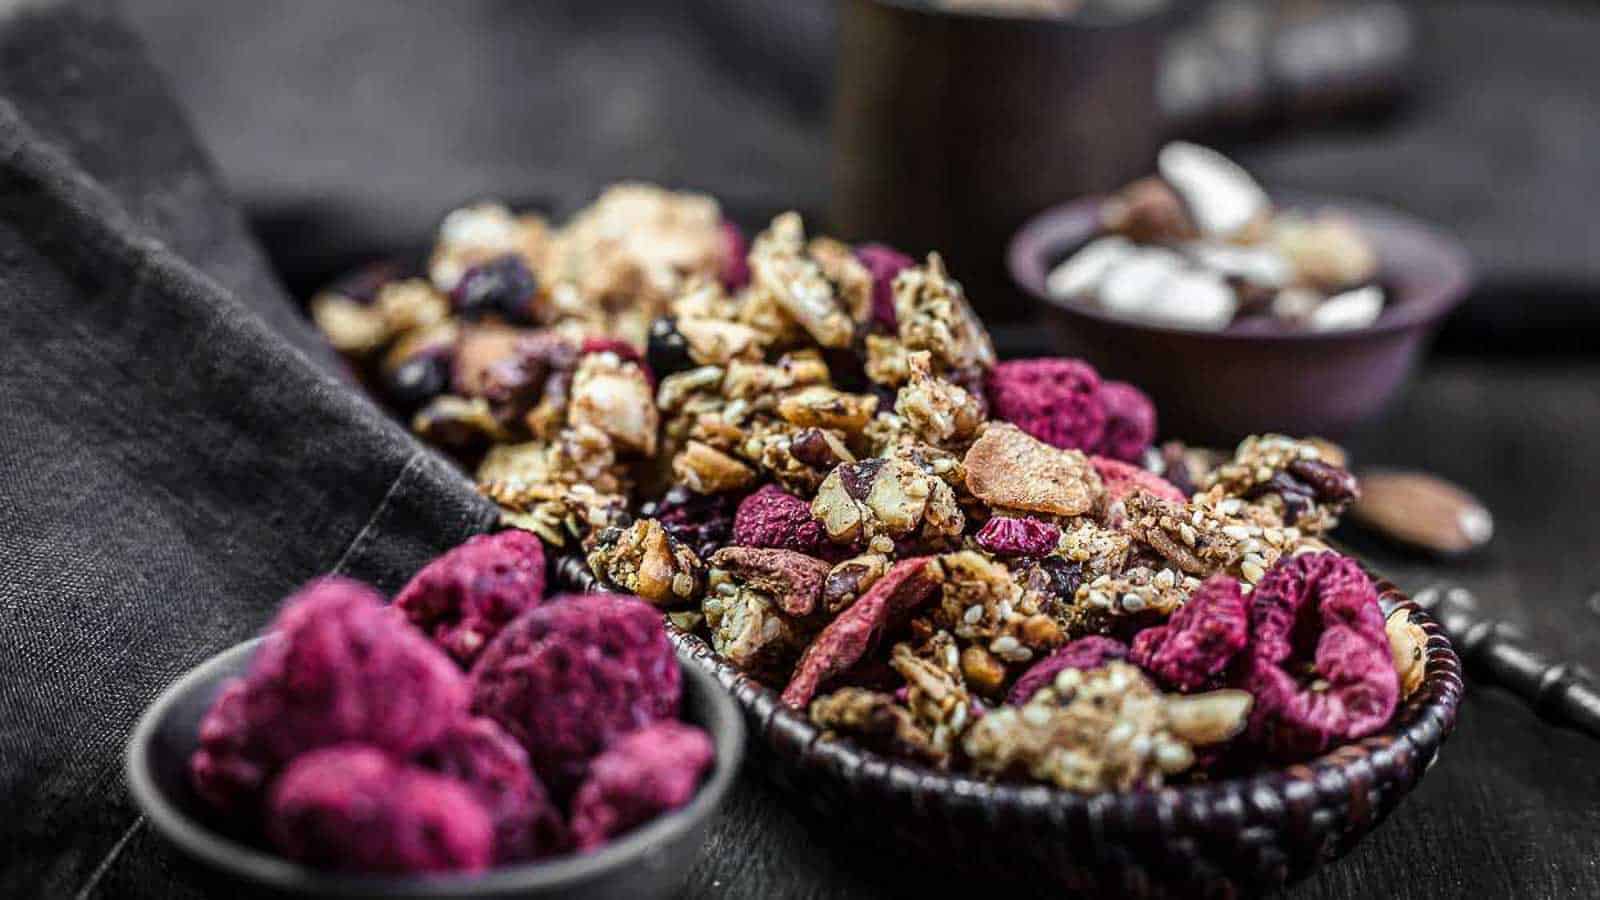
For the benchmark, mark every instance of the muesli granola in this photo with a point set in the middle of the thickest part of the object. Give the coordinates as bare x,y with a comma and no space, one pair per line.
823,470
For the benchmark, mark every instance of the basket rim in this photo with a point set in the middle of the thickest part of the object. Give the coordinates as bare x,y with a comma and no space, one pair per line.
1420,726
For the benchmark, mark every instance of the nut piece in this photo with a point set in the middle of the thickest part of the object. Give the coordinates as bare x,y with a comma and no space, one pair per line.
939,413
797,284
850,579
1408,643
936,693
824,407
932,314
707,470
877,721
1008,468
792,579
643,559
1291,478
748,629
1422,511
614,395
888,498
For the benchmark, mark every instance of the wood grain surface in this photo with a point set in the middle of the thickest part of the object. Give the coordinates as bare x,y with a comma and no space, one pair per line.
1512,809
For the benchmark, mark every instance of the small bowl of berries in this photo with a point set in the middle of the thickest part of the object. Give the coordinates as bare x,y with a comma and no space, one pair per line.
473,739
1203,288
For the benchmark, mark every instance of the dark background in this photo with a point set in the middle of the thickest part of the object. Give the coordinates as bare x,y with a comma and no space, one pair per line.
172,464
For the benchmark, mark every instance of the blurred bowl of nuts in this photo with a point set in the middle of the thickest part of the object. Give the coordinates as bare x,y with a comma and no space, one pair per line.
1198,285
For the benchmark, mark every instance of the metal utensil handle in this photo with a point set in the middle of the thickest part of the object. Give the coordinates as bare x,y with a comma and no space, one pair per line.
1560,691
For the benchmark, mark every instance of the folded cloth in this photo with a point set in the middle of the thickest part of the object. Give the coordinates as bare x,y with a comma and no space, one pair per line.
177,450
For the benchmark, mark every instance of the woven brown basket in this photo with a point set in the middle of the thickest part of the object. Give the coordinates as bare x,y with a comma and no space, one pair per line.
1233,836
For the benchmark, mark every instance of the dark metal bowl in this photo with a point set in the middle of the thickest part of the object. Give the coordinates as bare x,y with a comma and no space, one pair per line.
1238,835
650,861
1220,386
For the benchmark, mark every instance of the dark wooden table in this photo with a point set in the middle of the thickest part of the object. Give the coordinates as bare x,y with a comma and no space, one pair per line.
1512,809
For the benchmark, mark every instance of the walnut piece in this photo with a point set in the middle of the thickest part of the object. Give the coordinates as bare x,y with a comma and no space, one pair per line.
938,412
613,395
877,500
707,470
850,579
796,283
1006,467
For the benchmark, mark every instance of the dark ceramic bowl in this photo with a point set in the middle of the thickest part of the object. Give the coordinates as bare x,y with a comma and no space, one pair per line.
1230,837
650,861
1220,386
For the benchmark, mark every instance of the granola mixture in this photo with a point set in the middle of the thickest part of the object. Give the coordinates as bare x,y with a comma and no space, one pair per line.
817,464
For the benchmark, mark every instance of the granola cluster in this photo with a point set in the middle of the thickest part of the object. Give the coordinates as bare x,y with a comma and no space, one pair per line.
822,470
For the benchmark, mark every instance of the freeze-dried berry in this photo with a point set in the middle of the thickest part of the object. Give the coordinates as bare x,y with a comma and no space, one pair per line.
884,263
773,517
855,632
568,677
503,287
1320,665
1122,479
354,808
1196,645
1055,400
1130,421
230,768
735,250
479,754
1091,652
336,666
704,522
649,772
1007,536
463,598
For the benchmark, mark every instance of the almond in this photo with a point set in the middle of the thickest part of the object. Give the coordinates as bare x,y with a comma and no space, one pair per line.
1422,511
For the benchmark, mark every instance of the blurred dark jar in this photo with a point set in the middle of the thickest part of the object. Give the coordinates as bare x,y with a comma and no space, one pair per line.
953,127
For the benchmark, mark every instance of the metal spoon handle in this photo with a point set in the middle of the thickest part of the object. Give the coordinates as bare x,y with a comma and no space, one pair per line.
1560,691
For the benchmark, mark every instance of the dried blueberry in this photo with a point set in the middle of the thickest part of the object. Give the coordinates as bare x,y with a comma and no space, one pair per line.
667,352
416,381
704,522
503,287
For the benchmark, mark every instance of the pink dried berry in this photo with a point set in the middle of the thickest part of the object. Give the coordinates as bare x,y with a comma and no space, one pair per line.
355,808
735,257
1196,645
1055,400
884,263
1007,536
337,666
479,754
1122,480
773,517
1091,652
651,771
1130,421
1319,662
466,596
568,677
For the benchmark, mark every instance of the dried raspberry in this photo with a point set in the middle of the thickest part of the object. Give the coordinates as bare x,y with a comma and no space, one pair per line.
773,517
355,808
1130,421
1006,536
466,596
651,771
703,522
568,677
1055,400
1122,479
1091,652
1200,640
624,351
230,768
884,263
337,666
479,753
735,257
1317,612
856,631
